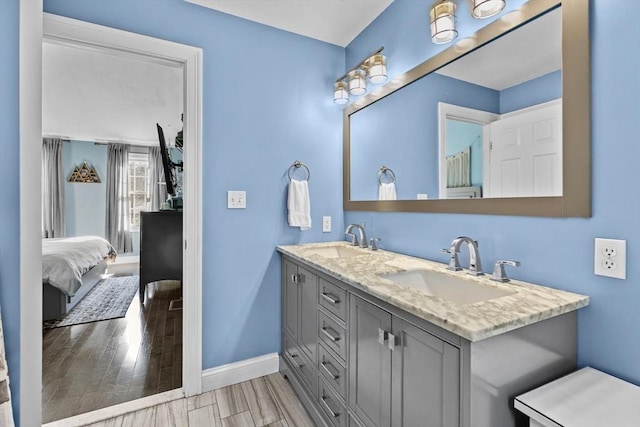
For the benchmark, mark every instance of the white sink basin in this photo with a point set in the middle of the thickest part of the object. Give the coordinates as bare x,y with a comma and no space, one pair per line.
460,290
336,252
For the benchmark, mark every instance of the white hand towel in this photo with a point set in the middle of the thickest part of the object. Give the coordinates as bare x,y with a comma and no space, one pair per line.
299,205
387,191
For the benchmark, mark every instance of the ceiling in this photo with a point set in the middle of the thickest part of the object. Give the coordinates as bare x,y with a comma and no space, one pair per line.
530,51
94,95
333,21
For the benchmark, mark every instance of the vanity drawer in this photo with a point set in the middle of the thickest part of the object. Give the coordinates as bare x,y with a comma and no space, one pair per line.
331,406
333,298
332,335
303,368
332,371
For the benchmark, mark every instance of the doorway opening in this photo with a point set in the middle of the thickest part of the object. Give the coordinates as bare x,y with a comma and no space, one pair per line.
69,31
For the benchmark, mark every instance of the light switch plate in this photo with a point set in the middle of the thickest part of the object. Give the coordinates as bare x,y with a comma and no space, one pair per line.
236,199
610,258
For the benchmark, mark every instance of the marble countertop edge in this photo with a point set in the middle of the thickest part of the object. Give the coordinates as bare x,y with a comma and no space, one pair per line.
474,322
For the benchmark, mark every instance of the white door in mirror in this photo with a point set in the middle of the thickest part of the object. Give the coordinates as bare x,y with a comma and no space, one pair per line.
610,258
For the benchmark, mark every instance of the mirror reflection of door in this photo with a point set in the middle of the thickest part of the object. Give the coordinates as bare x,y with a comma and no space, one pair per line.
526,153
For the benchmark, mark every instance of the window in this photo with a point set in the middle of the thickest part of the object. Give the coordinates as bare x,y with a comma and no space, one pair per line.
138,188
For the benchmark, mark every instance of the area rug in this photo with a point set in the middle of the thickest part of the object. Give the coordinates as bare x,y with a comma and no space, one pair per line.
109,299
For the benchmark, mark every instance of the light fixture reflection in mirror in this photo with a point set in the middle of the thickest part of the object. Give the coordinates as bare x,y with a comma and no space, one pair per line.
396,128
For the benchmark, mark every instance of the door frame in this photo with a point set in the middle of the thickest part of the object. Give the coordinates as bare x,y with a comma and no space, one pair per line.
464,114
35,27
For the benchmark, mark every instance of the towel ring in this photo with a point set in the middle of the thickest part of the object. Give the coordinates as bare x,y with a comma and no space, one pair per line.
384,170
298,164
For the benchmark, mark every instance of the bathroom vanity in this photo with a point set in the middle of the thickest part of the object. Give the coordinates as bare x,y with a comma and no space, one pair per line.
364,345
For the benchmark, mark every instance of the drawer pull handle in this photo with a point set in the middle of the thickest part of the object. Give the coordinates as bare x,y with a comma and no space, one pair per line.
295,361
326,405
330,335
392,342
382,336
294,278
326,365
331,298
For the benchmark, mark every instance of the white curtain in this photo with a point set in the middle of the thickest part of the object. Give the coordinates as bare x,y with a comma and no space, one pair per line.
459,169
157,187
52,188
117,219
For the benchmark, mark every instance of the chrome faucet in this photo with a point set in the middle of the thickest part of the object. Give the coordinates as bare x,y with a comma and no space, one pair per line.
475,266
354,239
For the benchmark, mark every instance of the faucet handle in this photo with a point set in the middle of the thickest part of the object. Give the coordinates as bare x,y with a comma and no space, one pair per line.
372,243
454,263
499,274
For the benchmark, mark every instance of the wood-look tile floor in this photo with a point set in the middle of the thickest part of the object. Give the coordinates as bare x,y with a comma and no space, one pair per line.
95,365
265,401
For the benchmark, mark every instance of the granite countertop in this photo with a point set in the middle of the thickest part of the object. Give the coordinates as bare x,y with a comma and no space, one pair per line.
474,322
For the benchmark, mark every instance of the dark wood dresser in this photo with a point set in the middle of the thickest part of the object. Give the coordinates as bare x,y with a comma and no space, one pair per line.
160,247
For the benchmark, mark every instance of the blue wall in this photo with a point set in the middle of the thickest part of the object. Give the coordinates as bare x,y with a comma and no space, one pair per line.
554,252
461,135
408,145
536,91
10,191
84,204
255,125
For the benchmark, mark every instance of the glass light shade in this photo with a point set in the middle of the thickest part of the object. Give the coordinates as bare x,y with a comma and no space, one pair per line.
377,68
486,8
357,82
340,92
443,21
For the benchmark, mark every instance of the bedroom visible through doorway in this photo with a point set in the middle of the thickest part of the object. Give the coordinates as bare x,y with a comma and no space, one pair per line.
112,329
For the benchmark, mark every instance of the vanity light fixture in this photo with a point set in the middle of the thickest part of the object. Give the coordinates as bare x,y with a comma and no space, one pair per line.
354,81
442,17
357,82
340,92
486,8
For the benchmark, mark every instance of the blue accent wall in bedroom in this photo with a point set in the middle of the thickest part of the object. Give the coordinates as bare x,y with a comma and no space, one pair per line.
553,252
84,204
10,191
252,132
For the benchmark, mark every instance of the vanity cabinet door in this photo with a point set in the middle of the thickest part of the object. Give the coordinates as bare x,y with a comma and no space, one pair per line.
426,379
290,299
369,363
300,307
308,314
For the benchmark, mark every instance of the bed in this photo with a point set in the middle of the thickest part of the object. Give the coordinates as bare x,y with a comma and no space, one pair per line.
71,267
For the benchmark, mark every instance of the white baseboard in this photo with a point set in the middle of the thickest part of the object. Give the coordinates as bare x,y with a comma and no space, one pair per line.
238,372
127,259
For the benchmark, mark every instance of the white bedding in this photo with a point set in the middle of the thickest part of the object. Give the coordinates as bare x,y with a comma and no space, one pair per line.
65,260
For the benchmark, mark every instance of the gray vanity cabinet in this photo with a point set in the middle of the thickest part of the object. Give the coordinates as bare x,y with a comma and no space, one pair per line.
299,314
400,375
425,379
369,363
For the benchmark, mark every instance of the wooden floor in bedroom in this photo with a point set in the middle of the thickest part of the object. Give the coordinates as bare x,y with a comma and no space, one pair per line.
100,364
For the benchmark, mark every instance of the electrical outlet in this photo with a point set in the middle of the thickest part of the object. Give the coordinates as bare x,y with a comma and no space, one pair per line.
236,199
610,258
326,224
